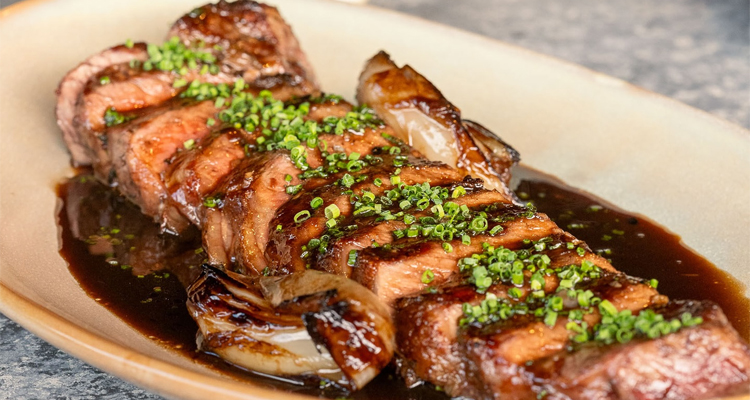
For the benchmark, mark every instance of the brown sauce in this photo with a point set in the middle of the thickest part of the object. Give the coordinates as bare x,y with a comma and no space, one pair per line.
94,218
638,247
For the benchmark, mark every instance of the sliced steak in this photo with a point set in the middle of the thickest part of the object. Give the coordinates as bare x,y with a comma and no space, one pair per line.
194,173
257,45
259,183
124,89
372,231
117,87
188,161
427,338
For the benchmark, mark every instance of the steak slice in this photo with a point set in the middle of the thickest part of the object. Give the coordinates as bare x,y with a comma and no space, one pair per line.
124,89
119,87
372,231
195,173
71,87
256,43
427,338
396,271
259,183
235,232
705,361
139,150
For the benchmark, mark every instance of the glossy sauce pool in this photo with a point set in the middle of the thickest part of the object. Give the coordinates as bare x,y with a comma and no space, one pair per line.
126,276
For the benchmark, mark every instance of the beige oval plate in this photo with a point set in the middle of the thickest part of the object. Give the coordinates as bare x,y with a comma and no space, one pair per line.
683,168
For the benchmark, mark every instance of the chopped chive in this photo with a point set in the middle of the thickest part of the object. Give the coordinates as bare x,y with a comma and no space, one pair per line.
428,276
293,189
347,180
332,211
550,317
352,259
495,229
301,216
478,224
210,202
458,192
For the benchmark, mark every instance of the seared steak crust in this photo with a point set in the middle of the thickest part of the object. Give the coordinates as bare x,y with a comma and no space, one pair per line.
256,43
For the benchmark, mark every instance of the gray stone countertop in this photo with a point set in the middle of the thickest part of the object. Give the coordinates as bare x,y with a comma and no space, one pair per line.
696,51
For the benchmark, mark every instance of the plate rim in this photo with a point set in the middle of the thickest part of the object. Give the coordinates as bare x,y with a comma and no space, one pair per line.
172,380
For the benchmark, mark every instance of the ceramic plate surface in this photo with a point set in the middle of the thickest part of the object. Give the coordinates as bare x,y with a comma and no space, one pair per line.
681,167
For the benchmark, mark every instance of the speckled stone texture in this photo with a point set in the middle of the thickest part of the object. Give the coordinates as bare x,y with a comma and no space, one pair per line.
696,51
33,369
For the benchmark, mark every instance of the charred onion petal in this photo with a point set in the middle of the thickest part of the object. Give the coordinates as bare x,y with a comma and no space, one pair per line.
345,318
422,117
238,324
307,323
499,154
